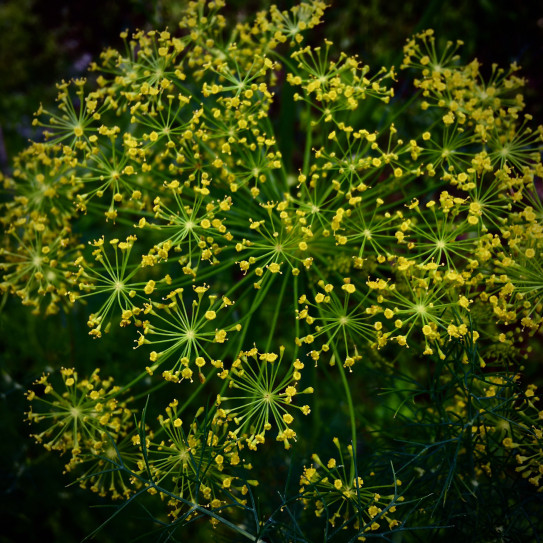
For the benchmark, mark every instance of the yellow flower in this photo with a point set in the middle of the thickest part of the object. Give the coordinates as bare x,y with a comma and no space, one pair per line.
149,287
349,288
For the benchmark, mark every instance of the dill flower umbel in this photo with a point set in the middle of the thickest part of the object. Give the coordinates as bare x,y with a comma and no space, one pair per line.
194,464
289,242
263,393
81,415
334,490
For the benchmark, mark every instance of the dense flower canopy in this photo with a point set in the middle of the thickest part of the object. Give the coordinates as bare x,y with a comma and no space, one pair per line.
401,235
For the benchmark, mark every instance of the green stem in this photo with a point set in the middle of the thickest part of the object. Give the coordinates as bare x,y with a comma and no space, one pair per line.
158,386
349,403
276,314
124,388
308,142
296,321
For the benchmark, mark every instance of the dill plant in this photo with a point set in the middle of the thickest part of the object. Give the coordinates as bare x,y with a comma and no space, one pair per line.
360,315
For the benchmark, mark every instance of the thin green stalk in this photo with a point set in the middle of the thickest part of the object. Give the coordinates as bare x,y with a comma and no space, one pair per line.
349,401
276,314
158,386
308,142
296,321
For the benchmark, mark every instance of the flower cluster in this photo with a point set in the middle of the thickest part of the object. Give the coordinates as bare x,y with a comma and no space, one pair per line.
85,419
376,237
335,490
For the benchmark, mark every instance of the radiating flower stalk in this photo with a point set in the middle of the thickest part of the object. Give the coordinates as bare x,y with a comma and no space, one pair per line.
397,249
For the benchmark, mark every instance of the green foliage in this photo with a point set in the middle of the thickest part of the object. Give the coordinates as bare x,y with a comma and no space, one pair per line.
313,303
